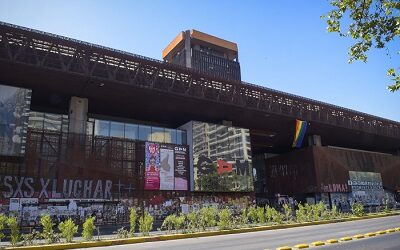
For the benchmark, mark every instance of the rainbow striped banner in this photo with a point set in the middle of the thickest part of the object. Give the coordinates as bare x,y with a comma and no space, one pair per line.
301,127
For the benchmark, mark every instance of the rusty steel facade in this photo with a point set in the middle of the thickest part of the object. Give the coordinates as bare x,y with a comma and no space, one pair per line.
326,169
22,46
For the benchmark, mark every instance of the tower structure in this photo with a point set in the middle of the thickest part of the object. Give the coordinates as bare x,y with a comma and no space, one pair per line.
204,52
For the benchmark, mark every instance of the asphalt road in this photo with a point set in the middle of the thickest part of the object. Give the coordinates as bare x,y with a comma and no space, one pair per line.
383,242
282,237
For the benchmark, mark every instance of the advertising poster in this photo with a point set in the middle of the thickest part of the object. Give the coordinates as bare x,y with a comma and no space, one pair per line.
366,187
152,166
166,167
221,158
14,113
181,179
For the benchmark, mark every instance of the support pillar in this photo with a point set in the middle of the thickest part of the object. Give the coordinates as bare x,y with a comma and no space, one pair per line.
78,108
314,140
188,50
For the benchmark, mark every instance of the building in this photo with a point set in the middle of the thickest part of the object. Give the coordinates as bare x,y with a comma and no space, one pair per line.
87,129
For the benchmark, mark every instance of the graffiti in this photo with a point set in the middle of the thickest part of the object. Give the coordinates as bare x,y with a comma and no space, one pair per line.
330,188
25,187
281,170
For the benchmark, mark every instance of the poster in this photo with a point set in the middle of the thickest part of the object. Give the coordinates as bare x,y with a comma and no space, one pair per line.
181,179
152,166
366,187
166,167
14,113
221,158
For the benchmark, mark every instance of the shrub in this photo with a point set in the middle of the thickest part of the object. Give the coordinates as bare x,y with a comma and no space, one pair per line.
207,217
287,210
13,225
179,222
88,228
122,233
132,220
273,215
28,239
193,221
301,213
243,220
225,218
68,229
169,222
47,225
252,214
146,223
260,215
357,209
3,220
334,212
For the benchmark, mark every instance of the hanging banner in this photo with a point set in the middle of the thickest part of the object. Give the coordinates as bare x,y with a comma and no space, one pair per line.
152,166
181,178
301,127
14,113
166,167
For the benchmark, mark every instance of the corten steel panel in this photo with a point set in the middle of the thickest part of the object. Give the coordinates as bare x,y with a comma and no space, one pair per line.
292,173
112,79
213,40
173,44
333,166
60,157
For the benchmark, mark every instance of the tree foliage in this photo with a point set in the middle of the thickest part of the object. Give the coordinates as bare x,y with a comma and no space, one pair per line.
372,24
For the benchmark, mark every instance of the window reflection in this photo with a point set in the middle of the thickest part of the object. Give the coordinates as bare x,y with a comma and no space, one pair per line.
136,132
144,133
117,129
131,131
102,128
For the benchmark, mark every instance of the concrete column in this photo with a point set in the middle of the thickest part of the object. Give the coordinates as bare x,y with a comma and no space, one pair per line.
314,140
78,108
187,49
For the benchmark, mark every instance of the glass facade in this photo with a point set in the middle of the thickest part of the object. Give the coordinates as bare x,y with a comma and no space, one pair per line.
135,132
221,158
48,121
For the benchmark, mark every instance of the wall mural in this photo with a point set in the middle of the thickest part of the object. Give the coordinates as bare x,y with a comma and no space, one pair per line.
221,158
14,107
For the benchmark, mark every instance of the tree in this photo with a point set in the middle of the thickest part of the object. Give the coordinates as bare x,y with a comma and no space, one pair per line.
372,23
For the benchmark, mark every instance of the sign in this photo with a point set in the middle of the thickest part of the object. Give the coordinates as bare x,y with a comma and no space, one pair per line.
166,167
181,178
152,166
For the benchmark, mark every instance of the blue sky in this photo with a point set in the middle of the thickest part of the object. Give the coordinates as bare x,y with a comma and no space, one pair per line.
283,45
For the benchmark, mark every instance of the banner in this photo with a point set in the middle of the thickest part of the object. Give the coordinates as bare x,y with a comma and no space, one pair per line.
167,167
181,178
152,166
14,113
301,127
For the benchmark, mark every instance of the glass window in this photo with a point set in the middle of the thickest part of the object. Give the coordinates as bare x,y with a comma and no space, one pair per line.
144,133
180,137
170,136
131,131
157,134
102,128
117,129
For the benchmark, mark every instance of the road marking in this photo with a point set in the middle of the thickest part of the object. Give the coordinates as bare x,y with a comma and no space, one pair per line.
284,248
343,239
332,241
358,236
301,246
318,243
370,234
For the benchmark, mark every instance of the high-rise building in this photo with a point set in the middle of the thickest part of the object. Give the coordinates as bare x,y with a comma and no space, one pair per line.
204,52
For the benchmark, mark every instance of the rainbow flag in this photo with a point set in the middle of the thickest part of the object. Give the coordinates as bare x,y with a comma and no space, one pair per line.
301,127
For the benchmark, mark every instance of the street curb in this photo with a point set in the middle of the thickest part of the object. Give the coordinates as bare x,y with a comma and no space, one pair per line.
113,242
